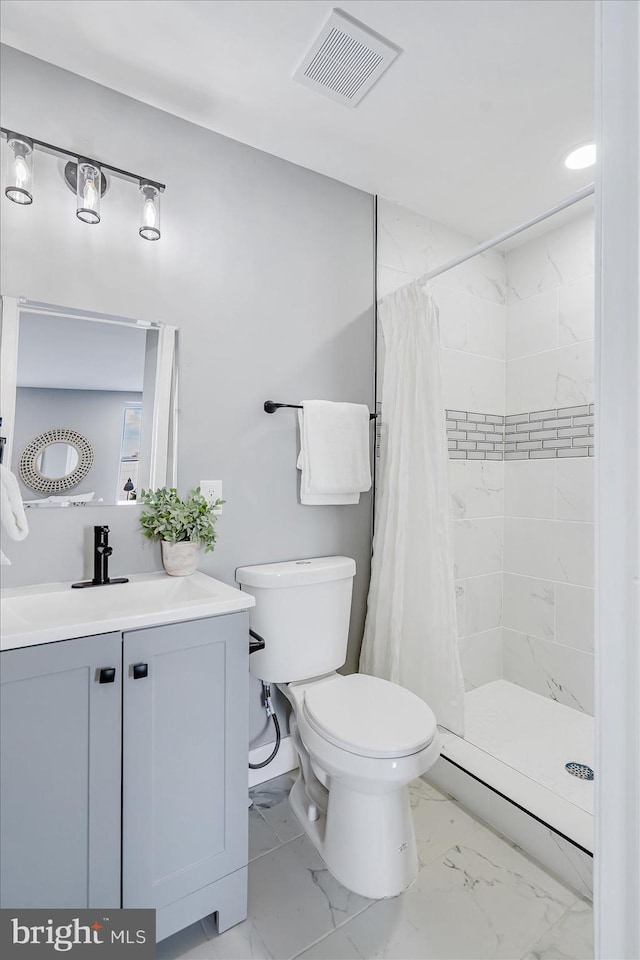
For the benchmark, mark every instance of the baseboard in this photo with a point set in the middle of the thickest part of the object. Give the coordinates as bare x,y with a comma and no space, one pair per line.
285,760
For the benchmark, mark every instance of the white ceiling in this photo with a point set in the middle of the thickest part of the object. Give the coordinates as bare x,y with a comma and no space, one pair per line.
469,126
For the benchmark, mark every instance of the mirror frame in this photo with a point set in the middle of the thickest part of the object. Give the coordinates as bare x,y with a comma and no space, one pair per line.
36,480
164,428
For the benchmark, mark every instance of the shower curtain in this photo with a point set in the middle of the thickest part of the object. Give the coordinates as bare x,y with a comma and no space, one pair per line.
410,629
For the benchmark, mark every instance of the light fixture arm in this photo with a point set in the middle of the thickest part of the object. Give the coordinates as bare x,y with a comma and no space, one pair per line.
61,152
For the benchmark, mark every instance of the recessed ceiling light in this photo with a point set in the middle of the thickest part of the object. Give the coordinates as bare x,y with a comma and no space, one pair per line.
582,157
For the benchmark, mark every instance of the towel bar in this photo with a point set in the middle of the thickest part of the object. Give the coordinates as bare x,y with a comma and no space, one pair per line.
270,406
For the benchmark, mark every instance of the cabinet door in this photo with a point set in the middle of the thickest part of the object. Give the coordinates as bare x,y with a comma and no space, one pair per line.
60,777
184,758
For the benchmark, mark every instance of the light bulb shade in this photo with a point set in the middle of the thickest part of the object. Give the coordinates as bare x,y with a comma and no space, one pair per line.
88,192
149,212
19,172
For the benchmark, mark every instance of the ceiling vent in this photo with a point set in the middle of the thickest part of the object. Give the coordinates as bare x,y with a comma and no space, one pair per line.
345,60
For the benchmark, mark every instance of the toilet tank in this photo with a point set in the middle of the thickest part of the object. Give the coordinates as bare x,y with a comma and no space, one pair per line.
302,611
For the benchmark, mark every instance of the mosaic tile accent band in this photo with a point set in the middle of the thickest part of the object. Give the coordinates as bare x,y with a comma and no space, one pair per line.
475,436
564,432
540,434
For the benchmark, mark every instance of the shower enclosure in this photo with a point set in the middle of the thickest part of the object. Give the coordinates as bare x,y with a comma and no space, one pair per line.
517,360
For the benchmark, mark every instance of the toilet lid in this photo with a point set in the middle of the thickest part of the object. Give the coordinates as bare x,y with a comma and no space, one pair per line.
369,716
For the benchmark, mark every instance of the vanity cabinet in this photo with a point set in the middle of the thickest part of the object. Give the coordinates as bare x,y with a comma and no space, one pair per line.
60,740
132,792
185,780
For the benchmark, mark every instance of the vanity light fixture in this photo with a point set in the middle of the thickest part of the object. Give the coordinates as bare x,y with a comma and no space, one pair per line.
84,176
582,157
19,175
88,191
150,214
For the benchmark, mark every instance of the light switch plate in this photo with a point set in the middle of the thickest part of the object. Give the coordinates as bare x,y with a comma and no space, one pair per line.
211,490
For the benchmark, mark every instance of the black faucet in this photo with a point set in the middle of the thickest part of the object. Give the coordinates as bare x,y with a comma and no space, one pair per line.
101,553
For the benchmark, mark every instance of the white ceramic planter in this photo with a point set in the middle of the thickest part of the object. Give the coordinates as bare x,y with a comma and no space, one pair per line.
180,559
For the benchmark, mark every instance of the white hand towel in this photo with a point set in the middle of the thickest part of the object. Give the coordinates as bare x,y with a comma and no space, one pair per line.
12,515
334,452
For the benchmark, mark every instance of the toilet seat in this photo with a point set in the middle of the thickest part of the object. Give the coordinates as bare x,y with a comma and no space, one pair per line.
368,716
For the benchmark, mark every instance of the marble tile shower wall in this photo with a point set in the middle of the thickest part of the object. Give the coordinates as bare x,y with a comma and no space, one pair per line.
549,511
472,311
516,342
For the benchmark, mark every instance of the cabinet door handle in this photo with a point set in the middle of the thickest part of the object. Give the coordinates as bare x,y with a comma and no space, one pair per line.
107,675
140,671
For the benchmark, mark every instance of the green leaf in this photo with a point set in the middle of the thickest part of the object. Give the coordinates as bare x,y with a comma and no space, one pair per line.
168,517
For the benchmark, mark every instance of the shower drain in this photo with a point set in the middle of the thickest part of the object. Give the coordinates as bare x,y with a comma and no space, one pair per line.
579,770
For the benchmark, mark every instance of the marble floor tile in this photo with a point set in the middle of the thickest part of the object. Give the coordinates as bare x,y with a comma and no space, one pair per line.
272,801
344,944
570,939
476,896
438,820
293,902
483,898
262,839
190,942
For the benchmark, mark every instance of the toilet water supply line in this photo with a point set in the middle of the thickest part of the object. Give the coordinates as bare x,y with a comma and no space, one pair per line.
268,705
266,688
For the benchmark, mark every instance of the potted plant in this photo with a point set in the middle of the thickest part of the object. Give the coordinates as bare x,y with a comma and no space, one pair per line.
181,526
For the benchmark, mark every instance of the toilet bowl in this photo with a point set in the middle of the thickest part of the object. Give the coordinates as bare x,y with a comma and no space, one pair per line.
360,740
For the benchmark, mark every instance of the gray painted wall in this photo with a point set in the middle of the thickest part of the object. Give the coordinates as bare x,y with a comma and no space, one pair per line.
96,414
266,268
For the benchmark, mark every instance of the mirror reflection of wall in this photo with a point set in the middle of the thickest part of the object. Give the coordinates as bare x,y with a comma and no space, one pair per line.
99,377
57,460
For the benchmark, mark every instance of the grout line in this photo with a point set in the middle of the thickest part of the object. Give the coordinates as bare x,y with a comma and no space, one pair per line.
481,356
338,927
568,583
510,301
494,516
566,646
271,830
589,523
480,633
509,516
539,353
278,846
527,576
477,576
578,899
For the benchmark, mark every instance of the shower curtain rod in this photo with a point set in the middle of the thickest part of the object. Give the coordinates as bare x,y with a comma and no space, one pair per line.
567,202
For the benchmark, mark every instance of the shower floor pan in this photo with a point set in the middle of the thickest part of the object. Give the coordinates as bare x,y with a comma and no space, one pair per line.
510,770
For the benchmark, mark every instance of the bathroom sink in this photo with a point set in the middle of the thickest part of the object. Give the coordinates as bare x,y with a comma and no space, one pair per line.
53,611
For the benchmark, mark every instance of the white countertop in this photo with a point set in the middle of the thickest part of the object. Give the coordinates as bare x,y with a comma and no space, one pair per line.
44,613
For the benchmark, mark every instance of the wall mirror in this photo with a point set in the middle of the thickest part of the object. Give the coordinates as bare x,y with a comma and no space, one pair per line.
88,404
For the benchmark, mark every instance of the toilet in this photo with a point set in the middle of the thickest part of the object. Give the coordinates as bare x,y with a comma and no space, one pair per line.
360,740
